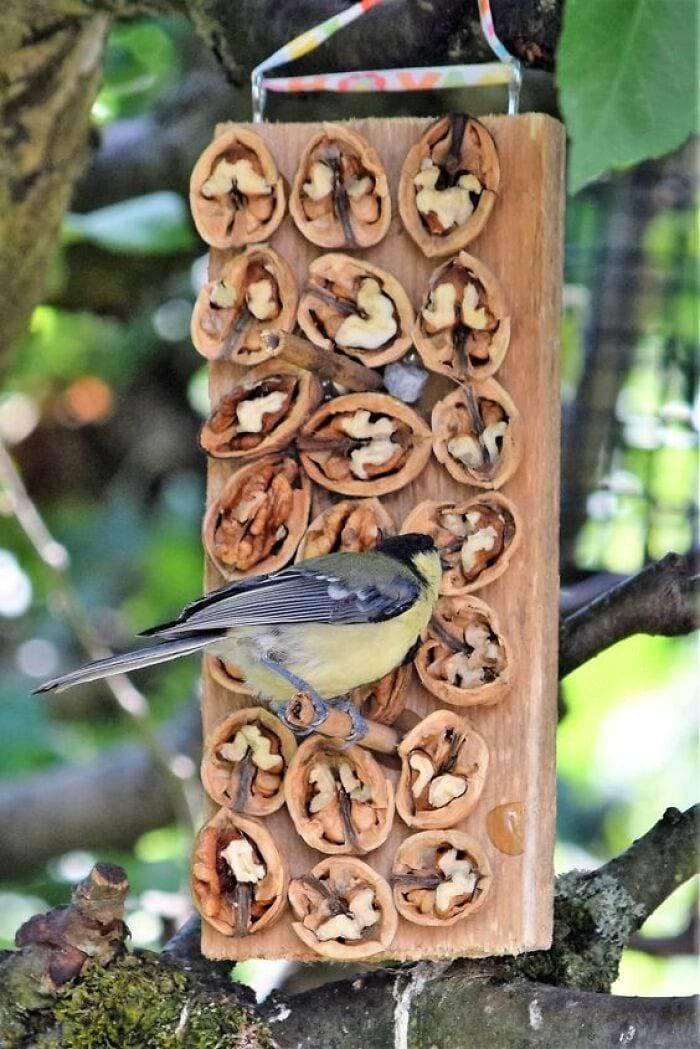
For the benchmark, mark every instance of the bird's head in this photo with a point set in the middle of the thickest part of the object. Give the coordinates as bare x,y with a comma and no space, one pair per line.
418,553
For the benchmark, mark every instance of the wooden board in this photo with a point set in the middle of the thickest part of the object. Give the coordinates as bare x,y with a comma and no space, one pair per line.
522,243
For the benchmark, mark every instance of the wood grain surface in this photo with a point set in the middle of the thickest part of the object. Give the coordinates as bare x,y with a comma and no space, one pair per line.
522,244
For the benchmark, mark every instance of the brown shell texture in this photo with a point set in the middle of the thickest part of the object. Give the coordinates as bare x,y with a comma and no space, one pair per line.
345,450
476,538
443,768
244,785
349,526
256,292
477,434
225,215
384,700
330,889
227,675
214,886
456,164
465,661
257,522
263,413
353,307
329,816
462,329
340,196
418,872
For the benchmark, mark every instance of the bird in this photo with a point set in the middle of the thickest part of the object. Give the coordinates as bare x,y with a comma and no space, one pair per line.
324,626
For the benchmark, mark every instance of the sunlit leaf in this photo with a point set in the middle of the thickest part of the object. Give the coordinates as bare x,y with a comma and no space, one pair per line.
155,224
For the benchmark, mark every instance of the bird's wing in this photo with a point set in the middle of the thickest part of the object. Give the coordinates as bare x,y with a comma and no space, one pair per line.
310,593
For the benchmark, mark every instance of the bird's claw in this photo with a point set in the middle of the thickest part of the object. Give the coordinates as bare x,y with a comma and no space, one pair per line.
320,714
359,725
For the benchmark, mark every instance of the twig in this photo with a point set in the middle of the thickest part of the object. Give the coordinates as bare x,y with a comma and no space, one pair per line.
325,363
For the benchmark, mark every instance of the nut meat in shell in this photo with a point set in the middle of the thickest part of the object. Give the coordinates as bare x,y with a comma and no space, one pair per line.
344,909
476,539
256,523
443,768
237,194
239,878
448,186
463,329
245,760
352,525
477,434
340,800
440,877
255,292
364,444
352,307
340,196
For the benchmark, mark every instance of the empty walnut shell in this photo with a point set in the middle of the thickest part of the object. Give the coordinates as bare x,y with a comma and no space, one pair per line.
262,413
352,525
443,768
440,877
464,660
237,194
448,184
340,800
463,329
356,308
245,761
259,517
477,434
384,700
243,903
476,539
364,444
255,292
344,909
227,675
340,197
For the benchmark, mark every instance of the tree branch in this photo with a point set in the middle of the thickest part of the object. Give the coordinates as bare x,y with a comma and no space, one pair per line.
661,599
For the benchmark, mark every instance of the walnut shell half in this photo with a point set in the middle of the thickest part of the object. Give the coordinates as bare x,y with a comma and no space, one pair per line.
340,196
340,800
344,909
227,675
263,413
476,539
464,660
443,768
448,186
364,444
239,878
440,877
352,525
245,761
463,328
384,700
477,434
259,517
355,308
237,195
255,292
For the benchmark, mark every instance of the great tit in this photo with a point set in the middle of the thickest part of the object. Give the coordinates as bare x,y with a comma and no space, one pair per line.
327,625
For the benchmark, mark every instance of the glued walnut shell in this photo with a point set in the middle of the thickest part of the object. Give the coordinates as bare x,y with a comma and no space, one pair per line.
256,523
476,156
343,825
214,887
227,675
352,525
473,416
329,889
331,318
239,785
453,749
495,512
233,219
335,460
284,395
464,339
338,219
446,650
225,323
384,700
417,857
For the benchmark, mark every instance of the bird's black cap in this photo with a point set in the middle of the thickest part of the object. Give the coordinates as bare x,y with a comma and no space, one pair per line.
405,547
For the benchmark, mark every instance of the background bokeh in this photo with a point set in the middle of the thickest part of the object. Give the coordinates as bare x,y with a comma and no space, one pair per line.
101,404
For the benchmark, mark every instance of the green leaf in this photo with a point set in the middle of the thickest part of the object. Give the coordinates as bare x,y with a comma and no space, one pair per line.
155,224
626,78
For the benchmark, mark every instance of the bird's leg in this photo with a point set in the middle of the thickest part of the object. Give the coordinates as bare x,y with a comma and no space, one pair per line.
320,706
359,725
